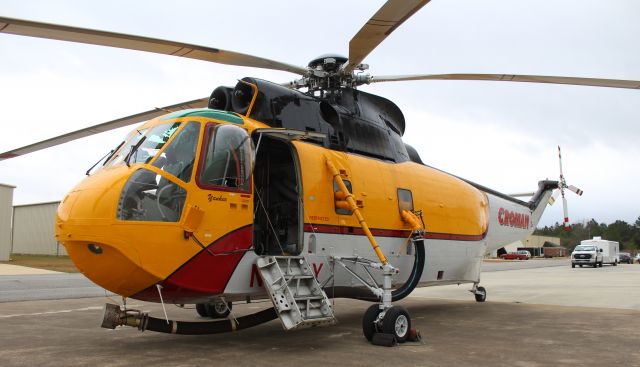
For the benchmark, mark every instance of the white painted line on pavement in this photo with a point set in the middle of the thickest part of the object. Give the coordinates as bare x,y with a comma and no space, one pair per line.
91,308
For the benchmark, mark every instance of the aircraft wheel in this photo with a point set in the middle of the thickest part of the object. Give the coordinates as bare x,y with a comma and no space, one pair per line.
368,321
396,321
481,294
218,310
201,308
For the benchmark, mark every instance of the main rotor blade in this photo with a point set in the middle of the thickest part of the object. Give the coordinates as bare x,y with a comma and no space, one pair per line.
593,82
102,38
390,16
129,120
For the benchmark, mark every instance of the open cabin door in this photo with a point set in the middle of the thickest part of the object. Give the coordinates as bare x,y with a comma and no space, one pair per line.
278,210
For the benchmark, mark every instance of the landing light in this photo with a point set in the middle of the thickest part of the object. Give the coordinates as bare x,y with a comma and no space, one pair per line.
95,248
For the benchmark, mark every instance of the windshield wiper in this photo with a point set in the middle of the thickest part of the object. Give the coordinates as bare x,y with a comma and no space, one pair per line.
104,158
134,148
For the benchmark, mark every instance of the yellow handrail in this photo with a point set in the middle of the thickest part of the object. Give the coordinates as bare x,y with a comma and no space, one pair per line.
354,208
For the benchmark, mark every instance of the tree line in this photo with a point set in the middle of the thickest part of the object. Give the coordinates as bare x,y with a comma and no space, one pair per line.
627,234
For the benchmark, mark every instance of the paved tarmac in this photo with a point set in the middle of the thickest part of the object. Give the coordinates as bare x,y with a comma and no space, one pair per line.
606,287
519,325
9,269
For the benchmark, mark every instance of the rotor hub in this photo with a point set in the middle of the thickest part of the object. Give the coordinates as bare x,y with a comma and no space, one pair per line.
326,73
328,62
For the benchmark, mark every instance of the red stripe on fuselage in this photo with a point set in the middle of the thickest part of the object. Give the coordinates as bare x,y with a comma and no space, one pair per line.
205,275
324,228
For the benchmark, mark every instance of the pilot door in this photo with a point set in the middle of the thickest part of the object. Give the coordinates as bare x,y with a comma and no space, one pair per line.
277,204
224,175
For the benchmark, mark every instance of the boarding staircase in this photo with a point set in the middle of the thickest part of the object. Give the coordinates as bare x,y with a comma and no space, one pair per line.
294,290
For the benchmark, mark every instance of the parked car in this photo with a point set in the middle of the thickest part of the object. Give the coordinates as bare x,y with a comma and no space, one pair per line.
638,257
525,253
520,255
625,257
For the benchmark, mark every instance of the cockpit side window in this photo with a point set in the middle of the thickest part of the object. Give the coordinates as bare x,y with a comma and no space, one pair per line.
179,156
226,159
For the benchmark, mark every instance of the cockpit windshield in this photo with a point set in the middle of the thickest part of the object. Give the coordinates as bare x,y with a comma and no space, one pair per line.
142,145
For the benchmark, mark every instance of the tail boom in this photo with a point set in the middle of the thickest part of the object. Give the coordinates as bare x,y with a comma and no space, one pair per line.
511,219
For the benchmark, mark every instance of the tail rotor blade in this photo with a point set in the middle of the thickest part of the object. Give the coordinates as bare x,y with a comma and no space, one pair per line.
567,227
576,190
552,198
560,161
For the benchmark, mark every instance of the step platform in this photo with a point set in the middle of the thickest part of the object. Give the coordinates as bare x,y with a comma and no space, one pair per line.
295,292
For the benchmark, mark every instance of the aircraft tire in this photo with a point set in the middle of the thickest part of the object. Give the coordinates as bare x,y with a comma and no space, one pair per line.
201,308
481,294
368,326
218,310
396,321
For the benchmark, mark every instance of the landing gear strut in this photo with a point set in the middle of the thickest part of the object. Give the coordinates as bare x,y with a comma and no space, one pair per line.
383,323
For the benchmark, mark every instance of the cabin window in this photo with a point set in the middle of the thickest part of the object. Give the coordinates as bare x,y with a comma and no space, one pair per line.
336,189
147,196
179,156
226,157
405,200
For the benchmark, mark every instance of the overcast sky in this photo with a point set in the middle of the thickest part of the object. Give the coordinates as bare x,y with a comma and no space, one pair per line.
502,135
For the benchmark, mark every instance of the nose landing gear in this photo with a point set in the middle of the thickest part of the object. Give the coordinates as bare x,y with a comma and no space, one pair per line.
215,310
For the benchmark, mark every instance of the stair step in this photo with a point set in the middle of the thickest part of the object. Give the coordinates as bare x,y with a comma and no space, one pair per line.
308,298
298,277
295,292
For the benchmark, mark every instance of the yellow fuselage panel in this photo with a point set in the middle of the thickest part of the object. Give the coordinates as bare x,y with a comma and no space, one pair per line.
450,206
138,254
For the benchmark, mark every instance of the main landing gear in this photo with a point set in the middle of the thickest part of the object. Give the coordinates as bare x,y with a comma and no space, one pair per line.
383,323
395,323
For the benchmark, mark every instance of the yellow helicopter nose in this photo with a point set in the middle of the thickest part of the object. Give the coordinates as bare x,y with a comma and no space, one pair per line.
85,225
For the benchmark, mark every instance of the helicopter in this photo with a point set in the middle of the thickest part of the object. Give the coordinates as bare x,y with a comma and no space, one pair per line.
202,206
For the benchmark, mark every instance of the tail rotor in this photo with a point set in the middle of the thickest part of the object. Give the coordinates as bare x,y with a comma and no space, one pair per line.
562,184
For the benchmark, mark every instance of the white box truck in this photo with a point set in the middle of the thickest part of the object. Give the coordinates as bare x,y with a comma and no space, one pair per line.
595,252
